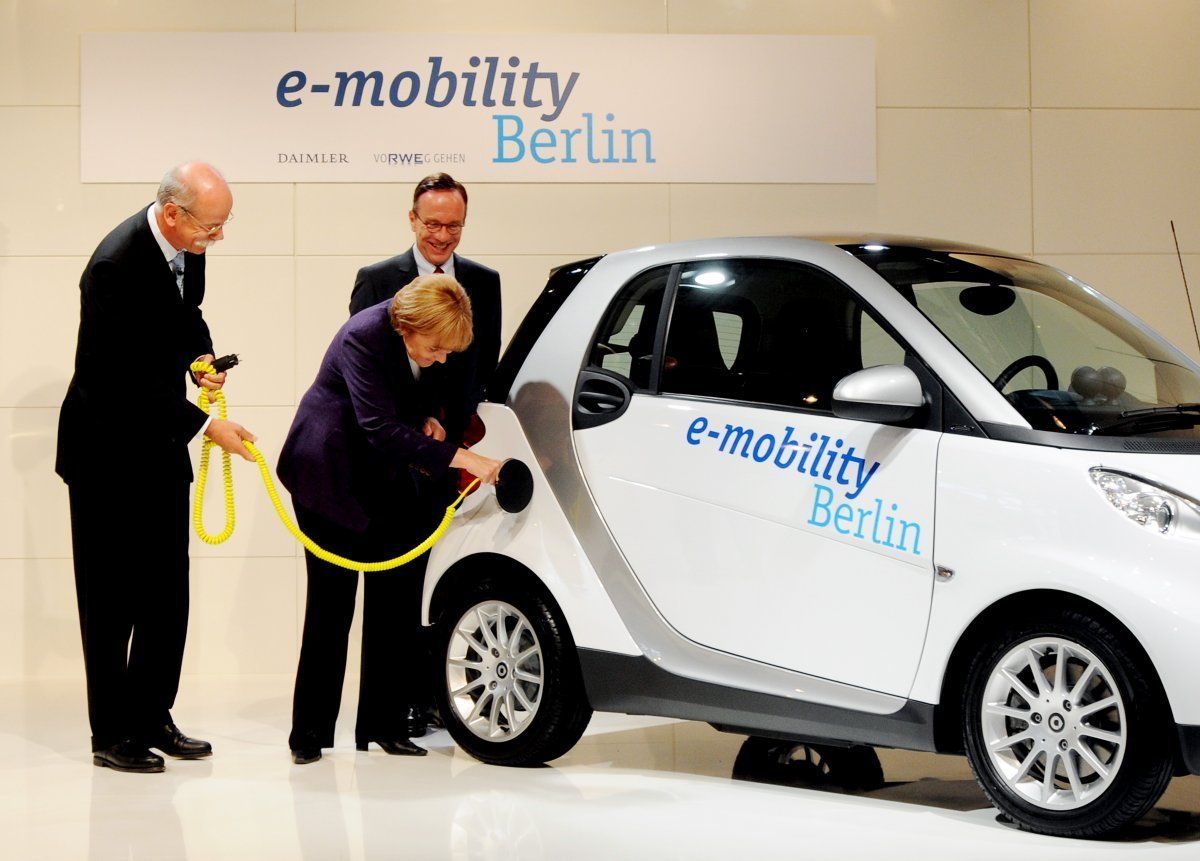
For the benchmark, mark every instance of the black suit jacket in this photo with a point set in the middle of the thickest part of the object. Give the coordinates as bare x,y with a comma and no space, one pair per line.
136,332
470,370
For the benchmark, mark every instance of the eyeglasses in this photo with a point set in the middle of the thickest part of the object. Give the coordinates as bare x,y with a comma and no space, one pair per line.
454,228
211,231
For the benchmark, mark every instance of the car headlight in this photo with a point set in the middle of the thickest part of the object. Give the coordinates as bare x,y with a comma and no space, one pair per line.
1145,503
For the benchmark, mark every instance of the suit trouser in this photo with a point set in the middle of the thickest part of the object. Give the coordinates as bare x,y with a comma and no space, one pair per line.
132,592
394,669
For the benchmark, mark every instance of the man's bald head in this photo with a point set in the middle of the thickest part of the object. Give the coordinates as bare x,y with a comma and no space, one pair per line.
194,202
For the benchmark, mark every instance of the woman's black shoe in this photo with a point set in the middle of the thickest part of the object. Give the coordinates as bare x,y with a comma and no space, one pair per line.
306,755
128,756
393,746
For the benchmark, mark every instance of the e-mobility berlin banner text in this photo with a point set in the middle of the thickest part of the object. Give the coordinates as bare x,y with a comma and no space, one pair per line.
379,107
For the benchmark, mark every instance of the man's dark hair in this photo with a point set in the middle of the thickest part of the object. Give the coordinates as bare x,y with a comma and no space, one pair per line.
439,182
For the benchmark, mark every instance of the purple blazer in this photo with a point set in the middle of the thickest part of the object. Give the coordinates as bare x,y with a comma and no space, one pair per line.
357,432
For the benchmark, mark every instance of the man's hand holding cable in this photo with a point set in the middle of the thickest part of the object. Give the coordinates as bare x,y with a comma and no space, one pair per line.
212,382
483,468
229,435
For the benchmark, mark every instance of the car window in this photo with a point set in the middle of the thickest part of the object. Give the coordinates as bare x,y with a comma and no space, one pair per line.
1066,358
625,343
768,331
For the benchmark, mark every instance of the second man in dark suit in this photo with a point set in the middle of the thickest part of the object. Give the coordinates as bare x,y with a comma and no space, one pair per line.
437,218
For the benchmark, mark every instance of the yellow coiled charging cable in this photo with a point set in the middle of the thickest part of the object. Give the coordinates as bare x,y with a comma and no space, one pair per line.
311,546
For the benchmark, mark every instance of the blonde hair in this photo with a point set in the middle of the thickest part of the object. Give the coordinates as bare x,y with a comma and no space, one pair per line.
435,306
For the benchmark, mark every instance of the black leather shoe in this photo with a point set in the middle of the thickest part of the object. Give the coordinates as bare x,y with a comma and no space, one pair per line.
393,746
418,721
172,742
306,755
128,756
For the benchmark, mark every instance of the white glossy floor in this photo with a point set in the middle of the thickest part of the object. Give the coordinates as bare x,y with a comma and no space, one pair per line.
633,788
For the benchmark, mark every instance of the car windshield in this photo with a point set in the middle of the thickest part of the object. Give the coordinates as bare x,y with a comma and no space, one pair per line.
1066,358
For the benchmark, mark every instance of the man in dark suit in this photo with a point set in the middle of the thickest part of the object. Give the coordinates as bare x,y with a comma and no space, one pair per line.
437,217
140,325
362,461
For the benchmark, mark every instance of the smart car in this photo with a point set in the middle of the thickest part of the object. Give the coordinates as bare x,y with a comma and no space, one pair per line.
862,491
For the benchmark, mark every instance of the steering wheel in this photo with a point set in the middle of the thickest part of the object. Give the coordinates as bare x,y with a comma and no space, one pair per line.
1031,361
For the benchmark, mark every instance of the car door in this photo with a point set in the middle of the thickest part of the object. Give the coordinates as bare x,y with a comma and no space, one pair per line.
758,522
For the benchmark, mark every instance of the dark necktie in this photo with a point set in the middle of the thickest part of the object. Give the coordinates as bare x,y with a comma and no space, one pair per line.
437,270
177,268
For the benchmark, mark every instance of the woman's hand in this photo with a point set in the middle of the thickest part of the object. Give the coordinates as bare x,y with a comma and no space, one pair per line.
433,428
483,468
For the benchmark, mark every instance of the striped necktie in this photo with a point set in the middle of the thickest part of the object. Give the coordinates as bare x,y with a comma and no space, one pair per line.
177,268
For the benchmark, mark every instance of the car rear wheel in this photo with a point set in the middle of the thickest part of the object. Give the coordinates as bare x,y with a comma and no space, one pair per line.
1065,728
510,690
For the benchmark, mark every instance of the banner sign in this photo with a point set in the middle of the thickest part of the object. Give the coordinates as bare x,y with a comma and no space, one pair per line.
383,107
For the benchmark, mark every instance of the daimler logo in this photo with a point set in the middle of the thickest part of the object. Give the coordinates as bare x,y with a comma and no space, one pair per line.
313,158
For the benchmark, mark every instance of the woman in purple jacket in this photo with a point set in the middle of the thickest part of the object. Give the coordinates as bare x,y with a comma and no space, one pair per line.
366,461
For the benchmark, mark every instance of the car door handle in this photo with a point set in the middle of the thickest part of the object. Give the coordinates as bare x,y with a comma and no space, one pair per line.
600,401
600,398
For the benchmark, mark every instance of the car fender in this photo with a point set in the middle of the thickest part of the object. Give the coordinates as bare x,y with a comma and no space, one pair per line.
538,538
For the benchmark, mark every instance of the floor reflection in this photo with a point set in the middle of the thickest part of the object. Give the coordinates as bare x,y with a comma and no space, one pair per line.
632,788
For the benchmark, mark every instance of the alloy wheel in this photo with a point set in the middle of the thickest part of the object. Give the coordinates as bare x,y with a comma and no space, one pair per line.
494,671
1054,723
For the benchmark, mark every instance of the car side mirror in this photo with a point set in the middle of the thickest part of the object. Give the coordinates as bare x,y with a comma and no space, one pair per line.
884,393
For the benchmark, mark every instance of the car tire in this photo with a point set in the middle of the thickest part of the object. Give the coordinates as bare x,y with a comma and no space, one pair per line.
1065,727
508,682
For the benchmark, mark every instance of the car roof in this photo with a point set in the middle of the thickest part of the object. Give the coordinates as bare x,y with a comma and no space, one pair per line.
920,242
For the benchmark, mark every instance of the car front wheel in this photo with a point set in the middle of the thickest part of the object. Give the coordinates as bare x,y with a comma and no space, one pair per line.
1065,728
510,688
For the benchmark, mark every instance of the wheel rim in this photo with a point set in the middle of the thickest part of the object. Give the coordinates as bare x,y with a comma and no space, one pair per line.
494,671
1054,725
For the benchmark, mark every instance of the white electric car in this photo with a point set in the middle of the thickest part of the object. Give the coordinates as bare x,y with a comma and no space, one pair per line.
884,491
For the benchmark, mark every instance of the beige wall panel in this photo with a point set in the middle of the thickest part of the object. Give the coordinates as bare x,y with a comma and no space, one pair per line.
39,40
243,617
1109,182
46,211
39,621
250,306
929,53
576,220
323,287
34,520
39,319
259,531
263,222
1149,285
1115,53
347,218
946,173
503,218
484,16
521,281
